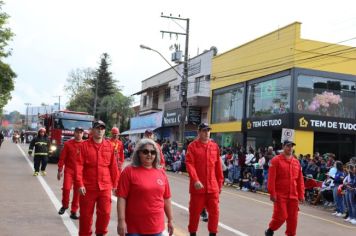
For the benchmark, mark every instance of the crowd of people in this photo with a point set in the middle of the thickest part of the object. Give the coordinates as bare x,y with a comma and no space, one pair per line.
327,182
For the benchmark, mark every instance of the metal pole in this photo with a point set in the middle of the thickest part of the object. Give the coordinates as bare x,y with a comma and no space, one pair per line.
184,89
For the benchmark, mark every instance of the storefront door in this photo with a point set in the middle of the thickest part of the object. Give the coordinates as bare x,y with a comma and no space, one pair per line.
342,145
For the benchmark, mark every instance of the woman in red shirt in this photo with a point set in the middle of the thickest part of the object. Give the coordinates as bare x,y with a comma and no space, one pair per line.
144,194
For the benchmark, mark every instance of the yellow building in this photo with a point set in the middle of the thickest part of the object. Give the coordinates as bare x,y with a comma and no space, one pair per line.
281,86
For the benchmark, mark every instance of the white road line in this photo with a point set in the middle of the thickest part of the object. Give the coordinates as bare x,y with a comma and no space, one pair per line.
220,224
65,217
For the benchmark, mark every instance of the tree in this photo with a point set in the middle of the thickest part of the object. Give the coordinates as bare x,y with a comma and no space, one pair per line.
6,74
116,110
78,87
79,80
103,84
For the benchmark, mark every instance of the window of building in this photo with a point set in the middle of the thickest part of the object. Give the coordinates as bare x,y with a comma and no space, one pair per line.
144,100
227,104
197,83
270,97
167,94
325,97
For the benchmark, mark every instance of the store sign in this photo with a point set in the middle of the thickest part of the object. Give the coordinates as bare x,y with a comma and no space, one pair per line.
328,124
172,117
194,115
265,123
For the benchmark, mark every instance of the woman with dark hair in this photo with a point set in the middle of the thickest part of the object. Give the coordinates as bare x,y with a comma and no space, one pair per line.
338,180
144,195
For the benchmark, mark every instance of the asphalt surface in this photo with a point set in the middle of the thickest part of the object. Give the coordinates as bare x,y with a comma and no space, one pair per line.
29,205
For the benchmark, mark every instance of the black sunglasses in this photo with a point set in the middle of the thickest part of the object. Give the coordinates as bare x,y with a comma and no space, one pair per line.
146,152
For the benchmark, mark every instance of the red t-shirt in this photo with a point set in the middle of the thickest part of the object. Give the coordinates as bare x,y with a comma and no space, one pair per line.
144,190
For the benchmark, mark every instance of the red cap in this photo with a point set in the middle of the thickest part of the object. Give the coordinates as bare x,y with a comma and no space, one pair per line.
115,130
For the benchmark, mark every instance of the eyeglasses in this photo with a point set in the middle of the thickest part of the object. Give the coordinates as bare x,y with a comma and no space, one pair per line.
146,152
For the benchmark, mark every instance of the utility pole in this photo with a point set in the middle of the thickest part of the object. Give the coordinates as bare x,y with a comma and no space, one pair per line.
184,82
59,102
27,105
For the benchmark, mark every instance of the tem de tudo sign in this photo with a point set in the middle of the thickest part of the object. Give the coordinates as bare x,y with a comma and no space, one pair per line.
313,123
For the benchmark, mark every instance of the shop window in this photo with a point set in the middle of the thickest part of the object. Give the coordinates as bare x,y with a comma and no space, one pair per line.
325,97
230,139
271,97
227,104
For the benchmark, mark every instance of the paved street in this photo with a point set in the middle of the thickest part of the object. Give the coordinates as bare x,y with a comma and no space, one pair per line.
29,205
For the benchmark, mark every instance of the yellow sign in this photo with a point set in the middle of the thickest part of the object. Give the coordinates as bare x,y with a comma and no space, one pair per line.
303,122
249,125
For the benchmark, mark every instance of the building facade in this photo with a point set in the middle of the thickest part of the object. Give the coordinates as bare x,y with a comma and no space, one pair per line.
282,86
160,94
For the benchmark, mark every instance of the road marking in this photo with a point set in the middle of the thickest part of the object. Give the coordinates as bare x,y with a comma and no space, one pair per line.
65,217
270,204
228,228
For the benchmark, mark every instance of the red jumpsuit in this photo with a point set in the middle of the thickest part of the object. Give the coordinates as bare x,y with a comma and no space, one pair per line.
68,159
204,164
97,171
286,185
119,152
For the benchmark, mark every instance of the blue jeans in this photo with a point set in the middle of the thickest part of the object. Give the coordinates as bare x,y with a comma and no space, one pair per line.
159,234
236,175
338,200
351,203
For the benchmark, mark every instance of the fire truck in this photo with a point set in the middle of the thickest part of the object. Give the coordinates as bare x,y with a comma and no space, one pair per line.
60,127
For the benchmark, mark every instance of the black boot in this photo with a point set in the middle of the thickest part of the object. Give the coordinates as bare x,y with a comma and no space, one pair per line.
62,210
193,234
212,234
73,215
269,232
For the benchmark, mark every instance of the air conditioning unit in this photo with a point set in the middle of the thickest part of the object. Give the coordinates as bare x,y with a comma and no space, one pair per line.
207,78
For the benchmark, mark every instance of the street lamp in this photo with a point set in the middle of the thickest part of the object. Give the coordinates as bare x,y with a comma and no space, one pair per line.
183,93
151,49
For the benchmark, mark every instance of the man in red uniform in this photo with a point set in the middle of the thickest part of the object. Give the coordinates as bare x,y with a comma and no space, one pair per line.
68,159
149,134
118,147
286,188
206,179
97,174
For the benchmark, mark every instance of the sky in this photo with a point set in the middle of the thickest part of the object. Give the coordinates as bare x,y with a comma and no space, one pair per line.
54,37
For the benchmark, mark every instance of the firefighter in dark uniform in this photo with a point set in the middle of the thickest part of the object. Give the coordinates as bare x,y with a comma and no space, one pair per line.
41,145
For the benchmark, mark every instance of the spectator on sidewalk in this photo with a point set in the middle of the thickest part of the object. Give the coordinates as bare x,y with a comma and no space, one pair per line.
338,180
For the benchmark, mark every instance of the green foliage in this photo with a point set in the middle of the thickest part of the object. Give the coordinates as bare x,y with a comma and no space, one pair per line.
116,110
83,101
6,74
111,105
79,90
106,84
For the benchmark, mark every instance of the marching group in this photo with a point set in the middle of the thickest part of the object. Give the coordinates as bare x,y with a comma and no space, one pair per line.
94,169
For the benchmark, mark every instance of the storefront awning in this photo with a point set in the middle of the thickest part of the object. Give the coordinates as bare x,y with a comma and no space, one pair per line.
137,131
